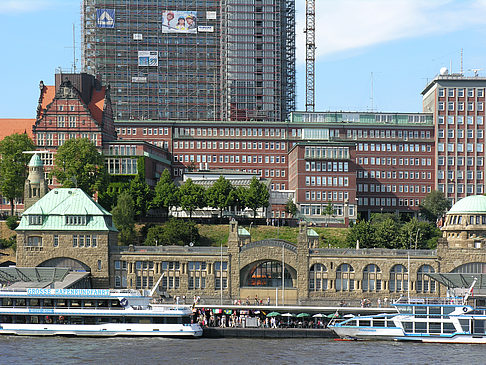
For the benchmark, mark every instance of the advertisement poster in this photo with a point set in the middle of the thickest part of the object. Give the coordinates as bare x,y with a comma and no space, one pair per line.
105,18
148,58
179,21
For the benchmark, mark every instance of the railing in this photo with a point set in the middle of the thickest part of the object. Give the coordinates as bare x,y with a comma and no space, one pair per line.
372,252
430,301
169,249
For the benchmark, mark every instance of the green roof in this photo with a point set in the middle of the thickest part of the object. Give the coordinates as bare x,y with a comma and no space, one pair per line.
470,204
243,232
311,233
59,203
35,161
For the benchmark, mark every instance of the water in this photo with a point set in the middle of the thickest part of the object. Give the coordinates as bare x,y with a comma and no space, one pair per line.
72,350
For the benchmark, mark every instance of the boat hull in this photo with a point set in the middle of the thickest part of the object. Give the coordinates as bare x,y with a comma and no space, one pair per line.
367,333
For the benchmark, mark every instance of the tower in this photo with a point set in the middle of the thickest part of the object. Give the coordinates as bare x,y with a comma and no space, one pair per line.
35,184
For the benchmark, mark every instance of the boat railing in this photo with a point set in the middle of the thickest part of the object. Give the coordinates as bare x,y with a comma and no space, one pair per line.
430,301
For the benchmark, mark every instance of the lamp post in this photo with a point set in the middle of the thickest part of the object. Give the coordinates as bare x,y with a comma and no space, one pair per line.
416,237
221,273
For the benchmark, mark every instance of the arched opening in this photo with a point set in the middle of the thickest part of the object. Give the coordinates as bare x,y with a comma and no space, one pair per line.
267,274
371,278
318,277
398,279
66,262
471,268
344,278
425,284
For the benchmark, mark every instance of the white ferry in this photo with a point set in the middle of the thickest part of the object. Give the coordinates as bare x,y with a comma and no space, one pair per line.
444,320
91,312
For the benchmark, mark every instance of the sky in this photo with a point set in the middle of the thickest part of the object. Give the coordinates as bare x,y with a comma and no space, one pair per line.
372,55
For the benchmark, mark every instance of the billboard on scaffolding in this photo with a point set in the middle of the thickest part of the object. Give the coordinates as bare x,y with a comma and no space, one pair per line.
175,21
148,58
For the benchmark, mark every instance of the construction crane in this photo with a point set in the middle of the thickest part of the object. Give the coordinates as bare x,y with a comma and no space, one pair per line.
310,55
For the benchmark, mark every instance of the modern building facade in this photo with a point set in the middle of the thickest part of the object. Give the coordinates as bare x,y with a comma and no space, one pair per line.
458,106
193,60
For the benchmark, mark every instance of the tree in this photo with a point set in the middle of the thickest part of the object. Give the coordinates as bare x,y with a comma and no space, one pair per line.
219,195
12,222
328,210
79,164
257,195
362,232
386,233
174,232
166,192
124,217
13,166
238,197
290,207
141,194
192,196
434,206
419,234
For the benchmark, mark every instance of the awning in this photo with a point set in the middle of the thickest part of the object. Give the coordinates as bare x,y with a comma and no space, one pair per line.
459,280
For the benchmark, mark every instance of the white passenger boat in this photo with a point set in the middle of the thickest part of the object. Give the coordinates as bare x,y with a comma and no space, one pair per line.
444,320
91,312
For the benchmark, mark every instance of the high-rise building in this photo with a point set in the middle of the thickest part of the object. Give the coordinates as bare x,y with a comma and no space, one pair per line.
457,103
193,59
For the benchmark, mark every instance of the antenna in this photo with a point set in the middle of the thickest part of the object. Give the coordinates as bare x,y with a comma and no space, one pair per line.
74,49
461,63
475,70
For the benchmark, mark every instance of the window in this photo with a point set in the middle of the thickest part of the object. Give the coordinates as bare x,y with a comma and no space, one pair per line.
344,278
268,274
318,277
371,278
76,220
398,279
424,283
34,241
56,240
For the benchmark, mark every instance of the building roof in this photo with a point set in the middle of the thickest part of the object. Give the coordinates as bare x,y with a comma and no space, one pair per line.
470,204
97,104
12,126
59,203
46,97
35,161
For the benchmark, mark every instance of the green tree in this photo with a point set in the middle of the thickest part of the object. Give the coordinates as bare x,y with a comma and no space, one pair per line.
238,197
173,232
141,194
434,206
166,192
328,211
290,207
257,195
79,164
13,166
124,217
419,234
192,196
12,222
219,195
363,232
386,233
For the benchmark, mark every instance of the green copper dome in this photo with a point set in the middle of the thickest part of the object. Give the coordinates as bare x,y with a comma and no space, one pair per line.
470,204
35,161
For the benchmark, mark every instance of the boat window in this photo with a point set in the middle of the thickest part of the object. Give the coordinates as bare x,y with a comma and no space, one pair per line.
171,320
75,303
350,323
145,320
420,327
61,303
90,320
464,324
434,311
7,302
420,310
34,302
34,319
115,303
478,327
89,303
448,310
390,323
48,303
76,320
103,303
405,309
186,320
378,323
20,302
364,323
19,319
407,326
449,328
6,319
434,327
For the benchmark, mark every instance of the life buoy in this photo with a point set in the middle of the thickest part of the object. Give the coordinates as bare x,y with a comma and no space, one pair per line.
465,309
61,318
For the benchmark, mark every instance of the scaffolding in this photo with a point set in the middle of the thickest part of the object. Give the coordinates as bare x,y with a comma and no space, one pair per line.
238,63
310,55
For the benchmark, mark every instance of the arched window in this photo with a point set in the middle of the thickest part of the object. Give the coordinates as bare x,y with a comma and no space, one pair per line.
318,277
471,268
269,274
344,278
371,278
398,279
424,283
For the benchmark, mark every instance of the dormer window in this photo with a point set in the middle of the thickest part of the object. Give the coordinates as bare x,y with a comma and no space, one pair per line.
35,220
76,220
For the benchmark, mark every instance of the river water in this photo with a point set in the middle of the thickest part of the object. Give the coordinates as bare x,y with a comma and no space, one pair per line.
72,350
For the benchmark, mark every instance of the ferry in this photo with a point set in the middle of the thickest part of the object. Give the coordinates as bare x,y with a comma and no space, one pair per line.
91,312
440,320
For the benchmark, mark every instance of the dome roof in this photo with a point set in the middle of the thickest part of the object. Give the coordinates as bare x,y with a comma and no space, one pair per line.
470,204
35,161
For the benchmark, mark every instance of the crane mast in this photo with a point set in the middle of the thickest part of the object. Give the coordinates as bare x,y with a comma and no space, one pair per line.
310,55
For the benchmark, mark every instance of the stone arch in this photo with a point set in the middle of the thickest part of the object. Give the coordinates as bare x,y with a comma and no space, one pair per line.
318,277
345,277
398,280
66,262
267,273
425,284
471,268
268,249
372,278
